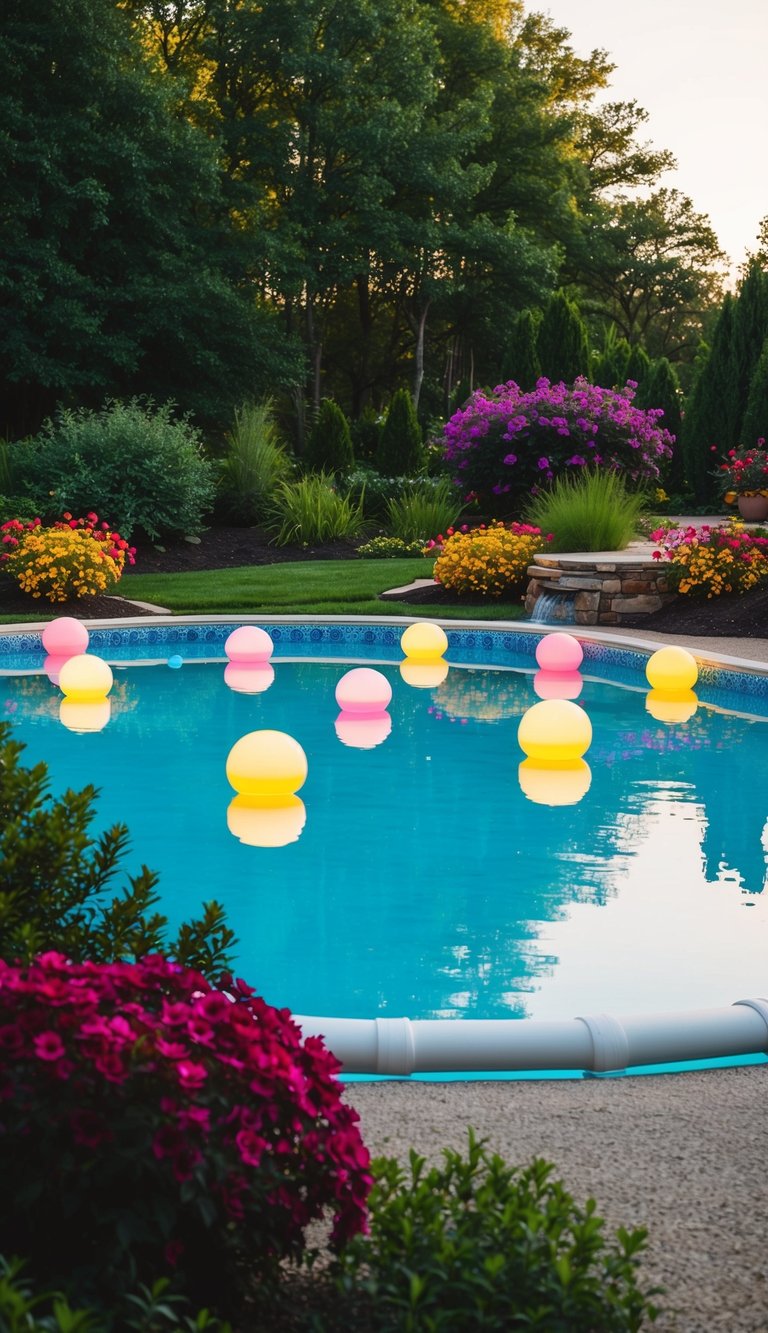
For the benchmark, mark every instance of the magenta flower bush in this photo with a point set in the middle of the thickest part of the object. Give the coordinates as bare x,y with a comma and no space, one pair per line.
511,444
151,1124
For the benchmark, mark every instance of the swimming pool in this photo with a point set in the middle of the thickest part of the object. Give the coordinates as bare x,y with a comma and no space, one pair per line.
425,881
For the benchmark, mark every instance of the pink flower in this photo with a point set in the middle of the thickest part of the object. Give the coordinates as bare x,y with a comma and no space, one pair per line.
48,1046
190,1075
250,1146
173,1252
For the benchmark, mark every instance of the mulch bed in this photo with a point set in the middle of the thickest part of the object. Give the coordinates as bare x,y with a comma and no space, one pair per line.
228,548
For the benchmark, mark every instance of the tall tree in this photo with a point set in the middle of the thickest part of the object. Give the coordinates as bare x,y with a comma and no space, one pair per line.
755,424
521,355
661,389
118,262
609,365
712,412
750,329
562,344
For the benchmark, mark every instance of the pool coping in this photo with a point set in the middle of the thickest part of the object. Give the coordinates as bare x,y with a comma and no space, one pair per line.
601,1043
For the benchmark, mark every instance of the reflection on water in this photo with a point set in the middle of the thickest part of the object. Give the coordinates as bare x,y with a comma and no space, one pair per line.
424,881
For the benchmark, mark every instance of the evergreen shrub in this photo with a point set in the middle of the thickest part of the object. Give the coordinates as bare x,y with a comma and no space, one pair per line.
329,447
401,451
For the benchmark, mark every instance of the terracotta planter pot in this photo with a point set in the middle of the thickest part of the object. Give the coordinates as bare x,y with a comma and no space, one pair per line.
753,508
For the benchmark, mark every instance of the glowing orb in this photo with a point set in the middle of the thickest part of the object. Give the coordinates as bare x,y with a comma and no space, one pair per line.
558,684
263,825
548,784
53,664
363,731
423,675
363,690
175,662
672,669
84,717
559,652
249,677
65,637
423,642
671,707
85,678
249,644
554,731
267,765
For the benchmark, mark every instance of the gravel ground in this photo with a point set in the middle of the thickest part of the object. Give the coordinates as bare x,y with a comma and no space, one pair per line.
681,1154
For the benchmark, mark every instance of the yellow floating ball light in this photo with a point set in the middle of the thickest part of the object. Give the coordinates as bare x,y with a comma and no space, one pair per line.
672,669
425,675
424,642
257,824
669,707
267,765
85,678
554,731
550,784
85,717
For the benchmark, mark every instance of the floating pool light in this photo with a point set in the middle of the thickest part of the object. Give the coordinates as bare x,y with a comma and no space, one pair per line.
548,784
363,731
559,652
85,678
249,677
65,637
363,691
424,675
249,644
268,765
423,642
554,731
85,717
53,664
558,684
263,825
175,662
672,668
671,706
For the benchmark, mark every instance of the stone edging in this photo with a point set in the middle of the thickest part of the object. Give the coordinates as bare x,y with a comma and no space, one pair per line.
603,593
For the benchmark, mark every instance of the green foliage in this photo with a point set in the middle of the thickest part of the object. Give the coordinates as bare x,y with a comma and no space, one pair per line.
17,506
25,1310
755,423
429,507
593,511
255,463
329,447
562,342
475,1243
390,548
134,462
367,486
55,881
521,355
366,434
712,411
639,369
750,330
400,447
662,389
609,366
311,510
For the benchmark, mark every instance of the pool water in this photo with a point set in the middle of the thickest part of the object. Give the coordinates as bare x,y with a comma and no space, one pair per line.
425,882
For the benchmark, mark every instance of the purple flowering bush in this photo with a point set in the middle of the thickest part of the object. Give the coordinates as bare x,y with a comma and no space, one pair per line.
511,444
149,1123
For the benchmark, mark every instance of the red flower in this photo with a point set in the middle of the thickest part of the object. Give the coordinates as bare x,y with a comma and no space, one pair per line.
48,1046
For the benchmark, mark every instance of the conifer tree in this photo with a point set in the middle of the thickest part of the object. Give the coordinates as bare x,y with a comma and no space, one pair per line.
750,329
639,370
712,412
400,448
562,343
609,366
662,389
329,447
755,423
521,357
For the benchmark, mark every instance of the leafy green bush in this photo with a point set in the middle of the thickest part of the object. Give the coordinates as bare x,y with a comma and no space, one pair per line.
254,465
430,506
388,548
131,460
592,511
16,506
375,491
311,510
366,434
478,1244
400,447
329,447
25,1310
54,881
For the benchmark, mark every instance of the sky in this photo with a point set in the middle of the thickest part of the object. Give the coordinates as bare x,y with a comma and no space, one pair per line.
700,70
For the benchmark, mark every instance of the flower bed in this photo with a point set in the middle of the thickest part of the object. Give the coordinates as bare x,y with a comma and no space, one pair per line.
710,561
75,557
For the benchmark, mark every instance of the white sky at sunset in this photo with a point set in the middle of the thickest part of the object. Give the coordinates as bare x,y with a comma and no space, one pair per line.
700,69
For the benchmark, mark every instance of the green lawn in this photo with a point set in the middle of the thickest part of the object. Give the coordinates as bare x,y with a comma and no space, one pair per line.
323,587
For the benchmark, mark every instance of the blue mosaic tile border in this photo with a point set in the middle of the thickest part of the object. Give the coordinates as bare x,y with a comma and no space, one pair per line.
490,647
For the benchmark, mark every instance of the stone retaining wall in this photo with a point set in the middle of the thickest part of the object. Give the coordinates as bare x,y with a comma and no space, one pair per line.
604,593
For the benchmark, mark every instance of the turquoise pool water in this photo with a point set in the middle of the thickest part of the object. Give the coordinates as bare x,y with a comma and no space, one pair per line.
425,882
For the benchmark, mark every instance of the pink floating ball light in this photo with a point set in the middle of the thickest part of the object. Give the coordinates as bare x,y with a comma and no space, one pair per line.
65,637
249,677
53,664
558,684
249,644
559,652
363,731
363,691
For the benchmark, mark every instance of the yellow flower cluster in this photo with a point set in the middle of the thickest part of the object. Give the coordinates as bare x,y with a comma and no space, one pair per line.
703,568
489,561
62,564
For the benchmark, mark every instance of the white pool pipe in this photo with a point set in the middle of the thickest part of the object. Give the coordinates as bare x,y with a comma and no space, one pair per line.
600,1043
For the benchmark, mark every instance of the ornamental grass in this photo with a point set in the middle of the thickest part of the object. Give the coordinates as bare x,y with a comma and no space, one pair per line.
710,561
